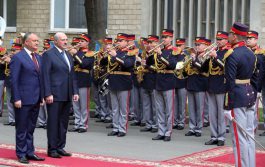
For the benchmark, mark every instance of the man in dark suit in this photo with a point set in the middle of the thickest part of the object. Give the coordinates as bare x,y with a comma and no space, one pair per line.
26,89
60,87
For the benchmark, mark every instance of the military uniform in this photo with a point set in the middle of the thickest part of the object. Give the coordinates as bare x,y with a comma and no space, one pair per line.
100,69
165,88
84,79
240,98
260,69
180,93
120,84
148,87
215,92
136,112
196,87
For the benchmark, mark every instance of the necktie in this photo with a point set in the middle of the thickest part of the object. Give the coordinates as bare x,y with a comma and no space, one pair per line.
35,61
65,59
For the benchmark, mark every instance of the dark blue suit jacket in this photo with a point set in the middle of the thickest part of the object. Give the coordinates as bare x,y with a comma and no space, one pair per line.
25,79
58,80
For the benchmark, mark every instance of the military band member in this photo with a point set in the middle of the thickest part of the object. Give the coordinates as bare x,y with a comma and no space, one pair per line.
136,112
120,84
180,91
84,61
216,89
252,43
100,71
241,95
196,87
15,48
148,77
42,118
165,62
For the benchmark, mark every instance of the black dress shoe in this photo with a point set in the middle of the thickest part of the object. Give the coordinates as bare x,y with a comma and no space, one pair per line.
154,130
121,134
190,133
109,126
262,134
107,121
23,160
74,130
198,134
41,126
112,133
54,155
145,130
35,158
135,124
64,153
167,138
158,137
81,130
206,124
175,127
12,124
211,142
180,127
71,123
220,143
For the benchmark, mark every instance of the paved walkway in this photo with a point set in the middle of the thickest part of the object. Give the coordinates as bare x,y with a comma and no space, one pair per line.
136,145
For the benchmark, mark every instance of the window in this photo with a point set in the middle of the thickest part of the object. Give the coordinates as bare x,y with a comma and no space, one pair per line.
68,15
8,10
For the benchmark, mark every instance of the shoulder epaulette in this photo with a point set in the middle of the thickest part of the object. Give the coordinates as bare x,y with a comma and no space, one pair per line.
228,53
89,54
176,51
259,51
133,52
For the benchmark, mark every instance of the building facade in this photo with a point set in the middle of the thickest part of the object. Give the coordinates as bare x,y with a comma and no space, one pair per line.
188,18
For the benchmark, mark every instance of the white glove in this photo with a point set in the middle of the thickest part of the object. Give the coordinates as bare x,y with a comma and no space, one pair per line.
179,66
228,114
259,95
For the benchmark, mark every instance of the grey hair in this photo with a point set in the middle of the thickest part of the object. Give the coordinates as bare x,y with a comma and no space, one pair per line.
57,35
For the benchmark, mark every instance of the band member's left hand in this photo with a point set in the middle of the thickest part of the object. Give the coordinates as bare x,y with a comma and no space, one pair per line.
75,97
213,54
42,102
158,50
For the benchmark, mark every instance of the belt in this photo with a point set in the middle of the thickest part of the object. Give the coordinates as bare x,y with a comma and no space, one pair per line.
81,70
165,71
242,81
120,73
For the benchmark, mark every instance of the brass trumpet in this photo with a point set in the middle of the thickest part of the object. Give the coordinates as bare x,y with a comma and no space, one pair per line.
74,55
157,46
207,52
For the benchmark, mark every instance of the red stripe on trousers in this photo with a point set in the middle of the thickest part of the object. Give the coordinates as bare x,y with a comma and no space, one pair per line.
237,141
127,109
88,106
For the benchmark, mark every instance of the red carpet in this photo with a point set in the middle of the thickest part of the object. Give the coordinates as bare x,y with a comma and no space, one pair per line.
220,156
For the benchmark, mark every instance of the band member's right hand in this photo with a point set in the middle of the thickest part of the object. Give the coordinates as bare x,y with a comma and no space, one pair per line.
18,104
112,52
49,99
